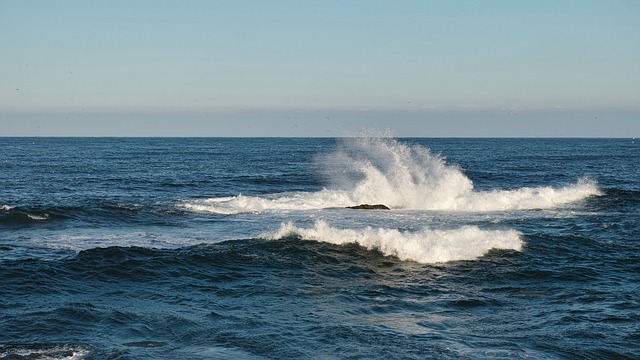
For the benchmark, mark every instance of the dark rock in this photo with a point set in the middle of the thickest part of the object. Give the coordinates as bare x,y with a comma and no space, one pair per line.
369,207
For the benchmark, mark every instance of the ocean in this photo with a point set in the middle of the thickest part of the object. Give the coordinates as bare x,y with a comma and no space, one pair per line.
244,248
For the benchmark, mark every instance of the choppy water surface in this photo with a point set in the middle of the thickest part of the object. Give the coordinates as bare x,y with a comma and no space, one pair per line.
116,248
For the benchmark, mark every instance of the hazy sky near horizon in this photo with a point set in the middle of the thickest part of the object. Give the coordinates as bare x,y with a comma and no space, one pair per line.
251,67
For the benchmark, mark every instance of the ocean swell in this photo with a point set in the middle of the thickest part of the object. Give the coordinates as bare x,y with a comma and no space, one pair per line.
423,246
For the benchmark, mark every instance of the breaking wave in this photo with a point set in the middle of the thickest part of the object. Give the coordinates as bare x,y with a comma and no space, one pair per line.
424,246
373,170
49,352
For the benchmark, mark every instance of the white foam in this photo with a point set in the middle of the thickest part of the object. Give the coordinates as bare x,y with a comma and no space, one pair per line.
6,207
53,353
38,217
384,171
526,198
287,201
424,246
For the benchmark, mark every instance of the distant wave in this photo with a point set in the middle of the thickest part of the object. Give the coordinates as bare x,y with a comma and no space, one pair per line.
91,212
14,215
62,352
424,246
385,171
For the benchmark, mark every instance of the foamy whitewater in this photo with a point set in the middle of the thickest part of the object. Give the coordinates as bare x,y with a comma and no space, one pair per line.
371,170
424,246
379,170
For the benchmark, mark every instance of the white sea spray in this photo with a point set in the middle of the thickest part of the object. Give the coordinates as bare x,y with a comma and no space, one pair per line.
375,170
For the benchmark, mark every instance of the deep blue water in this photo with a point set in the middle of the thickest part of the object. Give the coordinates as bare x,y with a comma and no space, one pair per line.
205,248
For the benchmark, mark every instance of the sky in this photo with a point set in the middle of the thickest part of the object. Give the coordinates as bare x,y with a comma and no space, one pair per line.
320,68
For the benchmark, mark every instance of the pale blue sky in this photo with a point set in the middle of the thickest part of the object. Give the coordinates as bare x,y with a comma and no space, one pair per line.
320,68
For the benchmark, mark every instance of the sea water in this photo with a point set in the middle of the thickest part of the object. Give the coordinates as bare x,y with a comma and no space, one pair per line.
118,248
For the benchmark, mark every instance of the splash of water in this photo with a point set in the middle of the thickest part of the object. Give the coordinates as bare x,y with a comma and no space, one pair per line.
374,170
382,170
424,246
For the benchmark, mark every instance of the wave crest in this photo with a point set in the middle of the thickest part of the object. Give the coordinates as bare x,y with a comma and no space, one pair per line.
424,246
